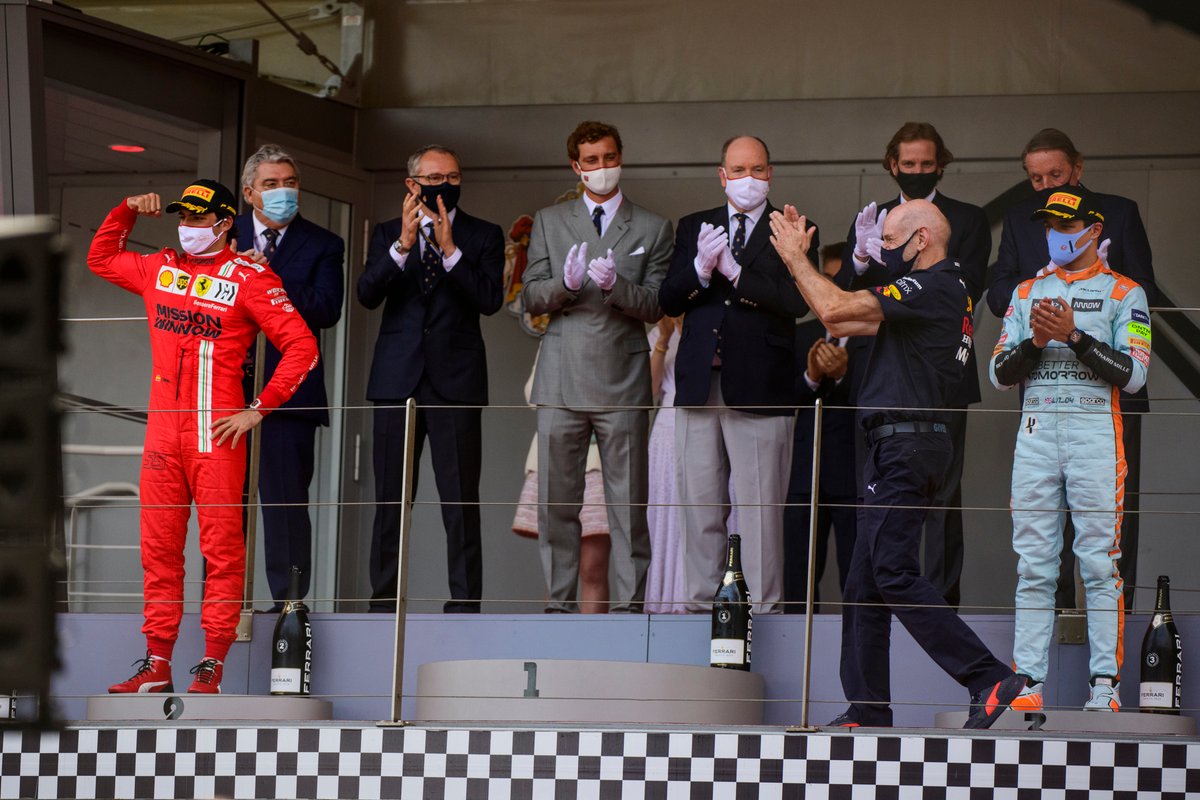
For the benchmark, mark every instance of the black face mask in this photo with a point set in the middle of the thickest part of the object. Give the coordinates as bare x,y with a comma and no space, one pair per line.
917,185
895,263
446,190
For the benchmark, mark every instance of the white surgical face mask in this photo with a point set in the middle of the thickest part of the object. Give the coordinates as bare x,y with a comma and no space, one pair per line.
747,193
601,181
195,241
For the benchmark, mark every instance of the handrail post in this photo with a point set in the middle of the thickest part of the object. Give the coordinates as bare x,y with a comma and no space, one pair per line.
406,498
818,411
245,621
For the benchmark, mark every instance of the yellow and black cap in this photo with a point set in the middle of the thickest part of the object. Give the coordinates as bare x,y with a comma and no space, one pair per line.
205,196
1069,203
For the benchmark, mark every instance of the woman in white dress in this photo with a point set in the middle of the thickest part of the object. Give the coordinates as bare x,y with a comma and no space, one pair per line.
664,579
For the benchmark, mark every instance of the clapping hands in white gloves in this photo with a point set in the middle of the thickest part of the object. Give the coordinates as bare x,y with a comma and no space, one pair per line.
603,271
575,267
728,266
709,245
868,236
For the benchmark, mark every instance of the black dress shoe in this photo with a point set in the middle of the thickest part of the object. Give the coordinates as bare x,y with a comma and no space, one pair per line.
461,607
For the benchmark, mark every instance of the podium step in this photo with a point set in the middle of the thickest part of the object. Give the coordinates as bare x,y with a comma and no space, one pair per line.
1079,721
548,690
126,707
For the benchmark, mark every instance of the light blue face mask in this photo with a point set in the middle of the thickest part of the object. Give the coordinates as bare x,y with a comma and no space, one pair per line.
280,205
1064,247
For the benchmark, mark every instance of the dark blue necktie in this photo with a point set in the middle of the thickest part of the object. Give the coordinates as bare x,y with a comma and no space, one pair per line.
431,261
272,237
597,213
738,245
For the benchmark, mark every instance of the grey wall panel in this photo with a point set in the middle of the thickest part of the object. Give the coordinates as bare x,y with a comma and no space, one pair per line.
640,51
803,131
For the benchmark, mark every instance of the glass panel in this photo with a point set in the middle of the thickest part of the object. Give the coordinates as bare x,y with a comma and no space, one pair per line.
325,490
107,361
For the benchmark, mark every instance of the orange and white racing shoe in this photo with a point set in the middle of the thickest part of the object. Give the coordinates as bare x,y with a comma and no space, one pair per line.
1106,695
1030,698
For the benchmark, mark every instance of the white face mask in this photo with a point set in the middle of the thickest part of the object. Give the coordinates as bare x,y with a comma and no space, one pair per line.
195,241
601,181
747,193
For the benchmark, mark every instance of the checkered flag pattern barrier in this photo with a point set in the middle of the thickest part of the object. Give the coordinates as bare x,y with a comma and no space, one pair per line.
371,762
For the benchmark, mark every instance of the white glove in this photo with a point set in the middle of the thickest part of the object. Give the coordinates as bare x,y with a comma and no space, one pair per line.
867,225
603,271
575,267
709,245
1102,251
728,266
874,251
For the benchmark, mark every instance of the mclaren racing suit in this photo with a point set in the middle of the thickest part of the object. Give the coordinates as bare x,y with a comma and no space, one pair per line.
203,313
1069,453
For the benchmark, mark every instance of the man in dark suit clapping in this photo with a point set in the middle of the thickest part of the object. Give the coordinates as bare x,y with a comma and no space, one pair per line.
733,379
308,260
916,157
436,269
823,371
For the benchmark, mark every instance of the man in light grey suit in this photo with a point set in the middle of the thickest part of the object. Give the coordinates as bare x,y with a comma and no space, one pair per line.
593,363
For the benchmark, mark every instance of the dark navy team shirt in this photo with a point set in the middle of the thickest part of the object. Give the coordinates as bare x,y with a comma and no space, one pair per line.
922,346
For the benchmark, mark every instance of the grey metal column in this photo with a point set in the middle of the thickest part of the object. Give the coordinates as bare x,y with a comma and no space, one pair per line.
818,411
245,622
406,492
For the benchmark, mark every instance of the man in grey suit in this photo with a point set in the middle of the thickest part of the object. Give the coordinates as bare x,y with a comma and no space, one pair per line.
593,370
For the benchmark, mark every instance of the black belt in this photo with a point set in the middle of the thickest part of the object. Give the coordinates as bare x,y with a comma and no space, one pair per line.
884,431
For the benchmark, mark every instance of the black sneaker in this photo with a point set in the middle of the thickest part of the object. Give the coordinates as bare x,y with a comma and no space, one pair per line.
988,705
843,720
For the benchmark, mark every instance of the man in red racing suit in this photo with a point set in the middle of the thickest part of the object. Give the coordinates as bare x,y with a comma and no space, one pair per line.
204,306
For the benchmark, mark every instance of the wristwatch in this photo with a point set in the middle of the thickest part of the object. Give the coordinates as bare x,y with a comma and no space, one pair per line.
255,405
400,251
1075,336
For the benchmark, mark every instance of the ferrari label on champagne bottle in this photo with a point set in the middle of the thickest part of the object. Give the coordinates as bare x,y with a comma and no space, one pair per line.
727,651
1156,694
285,680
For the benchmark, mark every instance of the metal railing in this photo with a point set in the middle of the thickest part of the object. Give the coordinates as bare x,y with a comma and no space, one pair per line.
123,495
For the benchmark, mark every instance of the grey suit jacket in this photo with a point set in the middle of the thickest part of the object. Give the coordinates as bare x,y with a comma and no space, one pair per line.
594,353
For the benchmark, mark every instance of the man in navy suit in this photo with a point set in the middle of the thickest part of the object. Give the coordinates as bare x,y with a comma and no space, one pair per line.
734,387
916,157
1051,160
436,269
823,371
308,260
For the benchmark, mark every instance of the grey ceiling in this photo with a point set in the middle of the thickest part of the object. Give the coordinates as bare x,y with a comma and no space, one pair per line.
79,130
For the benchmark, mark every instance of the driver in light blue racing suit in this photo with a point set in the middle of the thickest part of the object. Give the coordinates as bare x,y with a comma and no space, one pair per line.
1075,337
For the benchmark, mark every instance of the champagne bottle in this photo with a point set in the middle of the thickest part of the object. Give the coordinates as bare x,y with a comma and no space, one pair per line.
732,624
1162,657
291,657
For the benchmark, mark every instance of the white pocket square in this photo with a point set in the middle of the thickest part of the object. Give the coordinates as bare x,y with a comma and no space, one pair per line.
638,252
